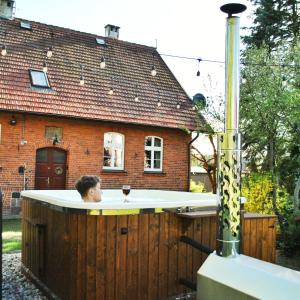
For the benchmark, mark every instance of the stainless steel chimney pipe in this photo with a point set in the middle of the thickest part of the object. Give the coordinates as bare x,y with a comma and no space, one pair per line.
229,162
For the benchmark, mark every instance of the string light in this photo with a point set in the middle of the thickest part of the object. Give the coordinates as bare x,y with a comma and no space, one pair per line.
153,70
178,105
102,63
3,50
111,91
158,103
136,98
45,67
198,72
50,52
81,81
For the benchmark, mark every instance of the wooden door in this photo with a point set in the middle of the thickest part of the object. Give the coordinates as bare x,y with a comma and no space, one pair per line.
50,169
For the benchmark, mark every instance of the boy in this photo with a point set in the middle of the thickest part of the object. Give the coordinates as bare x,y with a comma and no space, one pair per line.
89,188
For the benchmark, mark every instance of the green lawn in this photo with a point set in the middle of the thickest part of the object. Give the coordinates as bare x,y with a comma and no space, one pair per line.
11,235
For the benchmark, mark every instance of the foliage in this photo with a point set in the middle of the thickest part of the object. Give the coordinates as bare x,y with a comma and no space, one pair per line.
257,188
274,22
11,235
291,238
270,112
197,187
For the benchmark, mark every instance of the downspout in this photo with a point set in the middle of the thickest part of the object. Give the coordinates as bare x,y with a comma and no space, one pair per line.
189,161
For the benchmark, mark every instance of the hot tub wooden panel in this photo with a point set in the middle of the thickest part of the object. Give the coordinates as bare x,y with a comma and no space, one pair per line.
78,256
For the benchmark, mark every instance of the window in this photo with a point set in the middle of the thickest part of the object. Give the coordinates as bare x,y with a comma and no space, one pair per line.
153,153
25,25
51,132
39,78
113,158
100,41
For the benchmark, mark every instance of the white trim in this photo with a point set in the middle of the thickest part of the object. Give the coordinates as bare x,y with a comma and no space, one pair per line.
114,146
153,148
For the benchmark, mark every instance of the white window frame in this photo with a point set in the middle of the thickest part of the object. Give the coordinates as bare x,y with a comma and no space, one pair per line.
31,74
153,148
114,146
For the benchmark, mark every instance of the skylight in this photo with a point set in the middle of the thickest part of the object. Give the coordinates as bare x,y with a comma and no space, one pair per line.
39,79
100,41
25,25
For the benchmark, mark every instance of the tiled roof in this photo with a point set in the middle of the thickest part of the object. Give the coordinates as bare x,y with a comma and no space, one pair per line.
127,70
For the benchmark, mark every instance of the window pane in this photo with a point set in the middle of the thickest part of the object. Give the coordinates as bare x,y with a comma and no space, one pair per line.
157,142
59,156
148,154
118,140
39,78
42,155
107,157
156,164
118,158
157,154
148,141
107,139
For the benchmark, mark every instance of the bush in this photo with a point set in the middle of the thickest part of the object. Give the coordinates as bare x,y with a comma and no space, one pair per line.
290,243
258,188
197,187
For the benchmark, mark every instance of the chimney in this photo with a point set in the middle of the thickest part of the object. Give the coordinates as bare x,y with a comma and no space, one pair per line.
112,31
7,9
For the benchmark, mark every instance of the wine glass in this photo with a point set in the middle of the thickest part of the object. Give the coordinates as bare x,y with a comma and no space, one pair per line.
126,191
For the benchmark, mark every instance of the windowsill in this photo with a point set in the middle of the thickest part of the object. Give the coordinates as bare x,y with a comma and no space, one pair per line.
155,173
106,171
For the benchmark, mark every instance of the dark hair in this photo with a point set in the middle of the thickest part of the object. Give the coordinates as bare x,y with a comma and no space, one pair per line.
84,183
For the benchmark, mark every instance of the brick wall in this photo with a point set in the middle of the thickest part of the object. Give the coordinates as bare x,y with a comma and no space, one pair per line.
80,136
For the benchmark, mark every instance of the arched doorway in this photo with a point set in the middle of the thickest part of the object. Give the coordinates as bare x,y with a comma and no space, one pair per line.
50,169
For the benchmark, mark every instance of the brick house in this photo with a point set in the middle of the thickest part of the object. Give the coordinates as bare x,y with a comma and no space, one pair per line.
74,103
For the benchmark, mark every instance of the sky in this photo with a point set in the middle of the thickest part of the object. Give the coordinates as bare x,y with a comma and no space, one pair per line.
191,28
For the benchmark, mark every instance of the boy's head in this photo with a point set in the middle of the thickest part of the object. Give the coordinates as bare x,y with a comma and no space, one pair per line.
89,188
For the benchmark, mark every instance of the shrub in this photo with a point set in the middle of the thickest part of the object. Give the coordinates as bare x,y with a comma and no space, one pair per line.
258,188
197,187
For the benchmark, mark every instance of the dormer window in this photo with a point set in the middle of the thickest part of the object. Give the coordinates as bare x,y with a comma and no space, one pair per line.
39,79
25,25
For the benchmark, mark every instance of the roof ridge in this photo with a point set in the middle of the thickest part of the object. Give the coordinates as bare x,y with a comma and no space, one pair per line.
83,32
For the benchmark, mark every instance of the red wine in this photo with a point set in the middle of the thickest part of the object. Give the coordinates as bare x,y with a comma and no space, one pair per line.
126,192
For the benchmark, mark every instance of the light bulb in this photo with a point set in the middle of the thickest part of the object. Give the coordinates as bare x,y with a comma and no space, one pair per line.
153,71
194,107
3,51
158,103
45,68
136,99
81,82
102,63
49,52
111,91
178,106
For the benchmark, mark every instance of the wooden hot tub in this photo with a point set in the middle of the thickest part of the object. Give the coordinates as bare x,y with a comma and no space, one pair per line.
112,250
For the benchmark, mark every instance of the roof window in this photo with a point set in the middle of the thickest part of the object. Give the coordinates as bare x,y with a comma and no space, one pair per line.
39,79
26,25
100,41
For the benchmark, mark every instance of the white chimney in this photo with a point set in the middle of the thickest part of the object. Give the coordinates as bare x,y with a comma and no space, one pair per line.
7,9
112,31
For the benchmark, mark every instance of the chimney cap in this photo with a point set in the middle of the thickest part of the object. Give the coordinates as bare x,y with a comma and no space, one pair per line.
112,26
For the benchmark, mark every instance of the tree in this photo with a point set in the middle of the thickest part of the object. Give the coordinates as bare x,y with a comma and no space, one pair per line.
275,22
270,110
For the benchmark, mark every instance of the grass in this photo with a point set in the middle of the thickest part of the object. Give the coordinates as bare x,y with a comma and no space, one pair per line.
11,235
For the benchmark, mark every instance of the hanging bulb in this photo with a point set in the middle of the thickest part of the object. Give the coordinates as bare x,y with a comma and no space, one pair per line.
158,103
198,72
194,107
102,63
45,68
178,105
136,99
81,81
244,80
153,71
111,91
4,50
50,52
